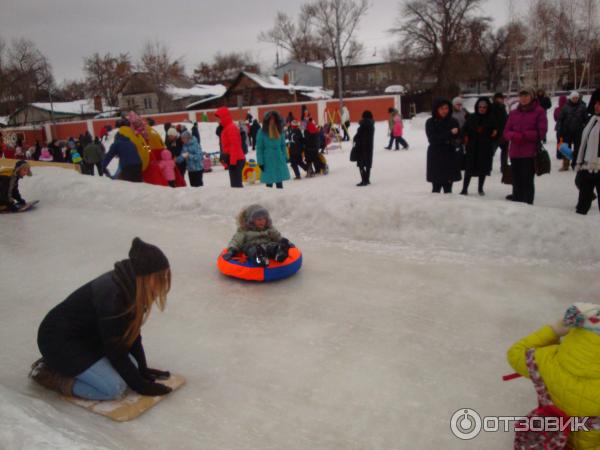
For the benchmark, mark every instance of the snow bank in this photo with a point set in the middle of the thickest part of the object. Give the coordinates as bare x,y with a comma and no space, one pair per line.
397,213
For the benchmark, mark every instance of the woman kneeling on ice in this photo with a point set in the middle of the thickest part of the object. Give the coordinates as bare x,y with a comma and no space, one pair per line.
257,238
91,344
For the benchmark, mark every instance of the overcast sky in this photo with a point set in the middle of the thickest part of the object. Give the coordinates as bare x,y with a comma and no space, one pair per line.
68,30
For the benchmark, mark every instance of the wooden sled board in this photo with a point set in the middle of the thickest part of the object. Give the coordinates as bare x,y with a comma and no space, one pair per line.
129,407
26,207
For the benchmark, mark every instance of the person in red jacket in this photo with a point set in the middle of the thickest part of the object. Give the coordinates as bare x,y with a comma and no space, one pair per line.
232,154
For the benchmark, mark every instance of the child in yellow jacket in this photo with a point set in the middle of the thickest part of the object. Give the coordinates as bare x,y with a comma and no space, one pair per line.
568,357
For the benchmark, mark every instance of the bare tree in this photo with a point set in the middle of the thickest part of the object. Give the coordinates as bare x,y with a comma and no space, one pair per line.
224,67
336,22
298,38
105,74
26,74
161,68
438,29
495,48
70,90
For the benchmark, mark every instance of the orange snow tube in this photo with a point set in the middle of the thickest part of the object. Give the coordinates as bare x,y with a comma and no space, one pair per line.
240,267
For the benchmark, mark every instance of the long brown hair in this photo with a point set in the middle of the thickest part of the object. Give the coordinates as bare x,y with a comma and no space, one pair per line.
274,128
145,298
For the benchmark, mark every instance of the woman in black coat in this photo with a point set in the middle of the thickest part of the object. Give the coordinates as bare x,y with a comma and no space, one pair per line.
443,134
91,344
363,147
480,131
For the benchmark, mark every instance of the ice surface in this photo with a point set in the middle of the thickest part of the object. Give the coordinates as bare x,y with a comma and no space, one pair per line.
401,315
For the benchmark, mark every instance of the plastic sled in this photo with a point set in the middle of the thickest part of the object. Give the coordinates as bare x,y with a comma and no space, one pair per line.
240,267
129,407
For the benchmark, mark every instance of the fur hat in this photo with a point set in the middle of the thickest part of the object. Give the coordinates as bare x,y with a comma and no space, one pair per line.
147,258
172,132
583,315
528,90
573,95
457,101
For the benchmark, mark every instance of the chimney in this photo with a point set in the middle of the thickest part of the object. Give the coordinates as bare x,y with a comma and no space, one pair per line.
286,78
98,103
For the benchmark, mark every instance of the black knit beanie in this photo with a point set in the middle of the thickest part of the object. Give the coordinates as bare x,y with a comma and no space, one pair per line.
147,258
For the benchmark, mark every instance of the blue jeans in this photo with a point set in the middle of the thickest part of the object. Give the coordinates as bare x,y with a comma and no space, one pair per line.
100,382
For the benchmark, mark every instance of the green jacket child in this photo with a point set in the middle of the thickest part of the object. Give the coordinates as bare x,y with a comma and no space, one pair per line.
257,238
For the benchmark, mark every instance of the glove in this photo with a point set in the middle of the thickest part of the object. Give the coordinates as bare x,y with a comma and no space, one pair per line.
154,389
154,374
185,155
229,254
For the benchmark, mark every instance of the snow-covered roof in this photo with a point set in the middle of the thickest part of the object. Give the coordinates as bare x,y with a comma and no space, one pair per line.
395,89
199,90
272,82
77,107
366,58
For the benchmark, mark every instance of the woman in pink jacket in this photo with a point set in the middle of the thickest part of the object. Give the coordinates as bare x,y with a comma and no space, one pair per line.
525,129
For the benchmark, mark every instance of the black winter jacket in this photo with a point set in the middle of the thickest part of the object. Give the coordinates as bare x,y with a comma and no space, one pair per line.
363,140
443,163
90,325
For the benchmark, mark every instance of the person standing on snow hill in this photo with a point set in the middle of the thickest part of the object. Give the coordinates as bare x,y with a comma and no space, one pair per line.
459,112
345,121
562,101
130,163
91,343
232,154
543,100
500,116
588,163
93,154
311,149
567,356
296,149
392,112
192,156
257,238
254,129
271,151
167,167
362,151
397,132
10,197
525,129
443,134
174,145
571,121
480,131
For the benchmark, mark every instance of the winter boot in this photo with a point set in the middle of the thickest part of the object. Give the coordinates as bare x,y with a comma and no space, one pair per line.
282,251
48,378
261,259
565,165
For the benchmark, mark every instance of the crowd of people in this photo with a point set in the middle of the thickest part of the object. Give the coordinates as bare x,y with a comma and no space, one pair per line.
462,144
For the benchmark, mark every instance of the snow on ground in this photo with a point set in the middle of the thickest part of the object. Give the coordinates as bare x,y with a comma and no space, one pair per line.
401,315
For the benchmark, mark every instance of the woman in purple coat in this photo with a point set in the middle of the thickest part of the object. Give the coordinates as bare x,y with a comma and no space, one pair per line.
525,129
